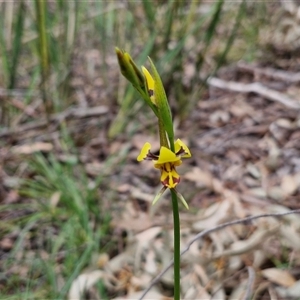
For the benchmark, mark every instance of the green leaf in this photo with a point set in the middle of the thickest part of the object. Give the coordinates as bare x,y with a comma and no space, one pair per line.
164,112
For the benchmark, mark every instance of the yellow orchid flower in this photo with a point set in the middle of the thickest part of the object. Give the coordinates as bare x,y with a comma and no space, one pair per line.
166,162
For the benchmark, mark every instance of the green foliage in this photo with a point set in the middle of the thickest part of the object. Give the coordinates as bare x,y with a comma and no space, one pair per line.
165,36
37,44
11,53
66,222
164,112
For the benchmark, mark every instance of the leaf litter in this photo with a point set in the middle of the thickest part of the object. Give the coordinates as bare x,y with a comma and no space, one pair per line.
246,161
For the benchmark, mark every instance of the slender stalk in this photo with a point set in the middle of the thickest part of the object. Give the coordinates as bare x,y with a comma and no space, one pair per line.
41,22
44,54
176,221
238,19
16,50
162,134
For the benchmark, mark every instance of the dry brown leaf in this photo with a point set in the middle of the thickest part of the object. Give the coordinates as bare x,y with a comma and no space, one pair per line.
102,260
239,291
150,265
276,193
241,247
141,281
201,178
236,204
6,244
54,199
35,147
218,292
219,116
153,294
241,108
118,262
278,276
147,236
233,172
260,257
293,218
192,288
82,283
289,185
132,219
213,216
293,291
201,272
235,263
291,236
257,192
253,170
285,123
11,197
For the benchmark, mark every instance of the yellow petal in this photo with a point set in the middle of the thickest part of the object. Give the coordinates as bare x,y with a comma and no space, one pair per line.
179,144
164,175
173,179
169,177
150,84
145,150
166,155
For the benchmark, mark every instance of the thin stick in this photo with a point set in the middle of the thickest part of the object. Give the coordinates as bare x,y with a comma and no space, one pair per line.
270,72
208,231
72,113
250,283
44,54
256,88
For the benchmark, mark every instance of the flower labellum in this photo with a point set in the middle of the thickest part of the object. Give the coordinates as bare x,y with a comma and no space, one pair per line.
166,162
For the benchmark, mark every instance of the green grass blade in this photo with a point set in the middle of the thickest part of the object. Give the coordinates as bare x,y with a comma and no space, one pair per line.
238,19
149,10
210,32
16,49
43,51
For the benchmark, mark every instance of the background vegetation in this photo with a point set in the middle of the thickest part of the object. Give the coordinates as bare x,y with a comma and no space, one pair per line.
61,90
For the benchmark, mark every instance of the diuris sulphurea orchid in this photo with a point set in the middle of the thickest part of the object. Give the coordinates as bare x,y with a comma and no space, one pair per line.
166,162
150,87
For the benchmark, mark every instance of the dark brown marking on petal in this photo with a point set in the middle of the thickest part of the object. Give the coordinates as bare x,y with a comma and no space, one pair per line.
151,156
166,181
181,152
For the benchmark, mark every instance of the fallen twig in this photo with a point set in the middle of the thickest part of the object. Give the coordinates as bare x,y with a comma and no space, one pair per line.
17,92
270,72
250,283
208,231
72,113
255,87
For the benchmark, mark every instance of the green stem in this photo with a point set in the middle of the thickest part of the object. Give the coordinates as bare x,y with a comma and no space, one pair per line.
176,221
44,54
162,134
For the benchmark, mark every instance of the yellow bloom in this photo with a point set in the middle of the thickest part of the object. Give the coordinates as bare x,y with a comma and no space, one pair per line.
166,162
150,84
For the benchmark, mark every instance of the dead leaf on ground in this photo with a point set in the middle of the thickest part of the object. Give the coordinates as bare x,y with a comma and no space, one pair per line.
278,276
35,147
82,283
